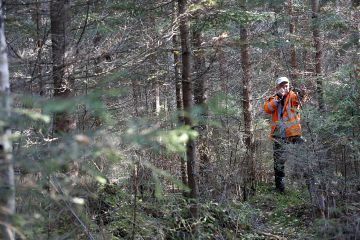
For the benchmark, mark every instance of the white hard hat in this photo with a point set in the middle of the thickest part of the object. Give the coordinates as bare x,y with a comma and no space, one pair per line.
281,80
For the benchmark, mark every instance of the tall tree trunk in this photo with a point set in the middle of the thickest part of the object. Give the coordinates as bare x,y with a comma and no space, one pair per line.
157,96
154,80
63,81
179,106
136,96
292,29
278,61
37,71
223,75
177,72
7,181
355,75
200,97
224,81
247,113
199,67
187,103
277,53
318,51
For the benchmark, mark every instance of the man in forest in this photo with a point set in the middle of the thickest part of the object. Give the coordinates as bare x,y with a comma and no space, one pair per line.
285,127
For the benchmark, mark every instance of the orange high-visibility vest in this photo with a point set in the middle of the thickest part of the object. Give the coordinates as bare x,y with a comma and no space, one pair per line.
289,125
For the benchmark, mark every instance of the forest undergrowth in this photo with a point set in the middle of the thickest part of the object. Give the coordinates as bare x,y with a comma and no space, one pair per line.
268,215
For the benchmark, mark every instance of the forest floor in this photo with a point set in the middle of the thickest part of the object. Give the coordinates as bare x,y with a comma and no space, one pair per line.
267,216
283,216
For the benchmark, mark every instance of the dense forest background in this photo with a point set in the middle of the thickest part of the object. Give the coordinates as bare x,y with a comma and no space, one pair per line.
142,119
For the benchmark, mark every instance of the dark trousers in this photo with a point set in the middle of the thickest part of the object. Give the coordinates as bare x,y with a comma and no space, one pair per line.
280,157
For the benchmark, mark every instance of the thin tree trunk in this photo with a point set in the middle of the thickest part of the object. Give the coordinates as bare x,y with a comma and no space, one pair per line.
177,71
7,183
355,75
318,52
292,29
277,53
247,113
305,61
136,191
179,107
63,122
63,81
155,83
222,67
199,67
200,97
187,103
278,61
136,95
157,97
224,81
39,46
37,71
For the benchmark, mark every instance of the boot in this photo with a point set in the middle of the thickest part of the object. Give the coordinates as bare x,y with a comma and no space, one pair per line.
280,184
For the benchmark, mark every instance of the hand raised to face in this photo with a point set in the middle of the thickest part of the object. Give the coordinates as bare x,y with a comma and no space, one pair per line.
280,92
282,89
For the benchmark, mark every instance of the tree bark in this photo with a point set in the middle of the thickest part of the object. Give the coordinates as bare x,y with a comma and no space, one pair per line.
37,71
199,67
179,107
177,73
63,81
7,183
157,97
187,103
247,113
318,51
200,97
277,53
136,96
223,74
154,80
292,29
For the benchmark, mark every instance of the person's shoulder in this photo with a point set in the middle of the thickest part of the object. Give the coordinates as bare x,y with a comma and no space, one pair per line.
272,97
292,93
